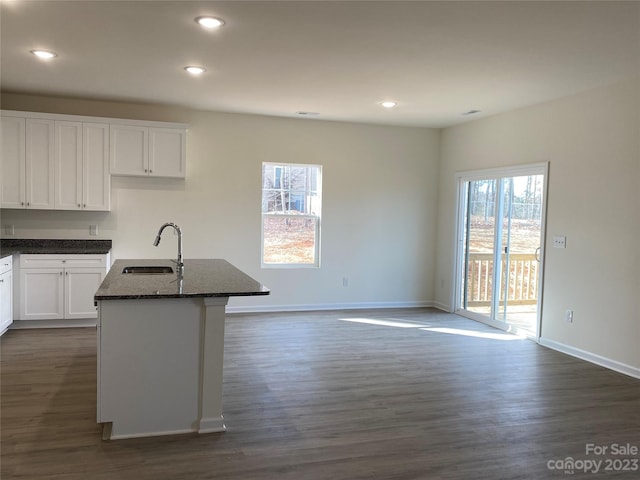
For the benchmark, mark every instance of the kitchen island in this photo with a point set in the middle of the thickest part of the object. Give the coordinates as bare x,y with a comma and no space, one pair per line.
160,345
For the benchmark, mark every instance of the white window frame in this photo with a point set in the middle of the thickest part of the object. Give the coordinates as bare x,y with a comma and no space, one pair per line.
316,218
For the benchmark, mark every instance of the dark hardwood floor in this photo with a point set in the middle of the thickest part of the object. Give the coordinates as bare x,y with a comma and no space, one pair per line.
324,395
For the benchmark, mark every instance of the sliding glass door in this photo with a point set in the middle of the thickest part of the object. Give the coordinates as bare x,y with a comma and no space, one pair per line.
501,219
479,245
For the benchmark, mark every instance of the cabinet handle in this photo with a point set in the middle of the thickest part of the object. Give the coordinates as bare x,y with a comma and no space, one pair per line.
60,273
84,205
66,273
150,171
28,204
78,205
146,171
22,204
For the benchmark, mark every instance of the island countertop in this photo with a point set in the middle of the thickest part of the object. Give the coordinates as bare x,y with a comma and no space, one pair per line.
201,278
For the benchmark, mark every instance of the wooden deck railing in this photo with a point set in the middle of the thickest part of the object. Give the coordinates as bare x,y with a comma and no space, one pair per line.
522,285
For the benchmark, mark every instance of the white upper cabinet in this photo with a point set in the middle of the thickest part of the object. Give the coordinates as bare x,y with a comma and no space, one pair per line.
82,166
129,150
68,166
65,162
96,181
40,163
13,183
148,151
27,163
168,152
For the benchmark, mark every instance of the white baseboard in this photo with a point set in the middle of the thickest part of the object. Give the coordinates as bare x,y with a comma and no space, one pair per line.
91,322
591,357
147,434
81,322
326,306
442,306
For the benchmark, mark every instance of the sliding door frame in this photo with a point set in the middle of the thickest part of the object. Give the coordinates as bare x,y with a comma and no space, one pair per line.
459,262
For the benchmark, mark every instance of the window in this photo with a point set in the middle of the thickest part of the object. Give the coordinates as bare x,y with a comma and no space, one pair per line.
291,205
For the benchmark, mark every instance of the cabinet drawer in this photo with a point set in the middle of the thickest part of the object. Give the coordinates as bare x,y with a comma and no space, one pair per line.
6,264
62,261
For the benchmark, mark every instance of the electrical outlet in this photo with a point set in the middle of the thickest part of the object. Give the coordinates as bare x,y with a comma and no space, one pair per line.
345,281
560,241
93,230
9,230
568,316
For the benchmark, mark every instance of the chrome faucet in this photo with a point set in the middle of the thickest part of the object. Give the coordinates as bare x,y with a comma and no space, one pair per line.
179,263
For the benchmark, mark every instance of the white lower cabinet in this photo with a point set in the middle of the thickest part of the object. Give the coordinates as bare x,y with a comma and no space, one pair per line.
55,287
80,285
41,294
6,294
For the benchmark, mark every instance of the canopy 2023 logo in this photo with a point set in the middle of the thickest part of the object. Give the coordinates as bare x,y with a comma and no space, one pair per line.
613,457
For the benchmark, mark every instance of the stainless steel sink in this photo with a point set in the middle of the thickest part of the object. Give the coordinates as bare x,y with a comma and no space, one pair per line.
148,270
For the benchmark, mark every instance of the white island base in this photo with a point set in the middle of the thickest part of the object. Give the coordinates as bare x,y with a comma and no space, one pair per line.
160,365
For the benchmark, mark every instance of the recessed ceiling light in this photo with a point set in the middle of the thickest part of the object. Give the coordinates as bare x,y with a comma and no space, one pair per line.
210,22
44,54
193,70
388,104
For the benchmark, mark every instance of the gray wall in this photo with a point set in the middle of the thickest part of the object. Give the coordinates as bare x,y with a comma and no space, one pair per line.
389,206
591,141
378,215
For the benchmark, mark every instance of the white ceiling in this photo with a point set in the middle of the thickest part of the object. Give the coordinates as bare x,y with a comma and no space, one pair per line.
337,58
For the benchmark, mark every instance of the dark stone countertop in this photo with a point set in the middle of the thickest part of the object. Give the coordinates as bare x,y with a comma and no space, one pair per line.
10,246
202,278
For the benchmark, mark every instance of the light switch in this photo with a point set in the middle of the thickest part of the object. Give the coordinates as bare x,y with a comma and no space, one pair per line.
93,230
559,241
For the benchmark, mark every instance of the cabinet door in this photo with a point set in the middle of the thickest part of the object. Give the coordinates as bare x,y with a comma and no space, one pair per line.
97,181
13,162
41,294
167,152
6,301
129,150
68,165
39,165
81,285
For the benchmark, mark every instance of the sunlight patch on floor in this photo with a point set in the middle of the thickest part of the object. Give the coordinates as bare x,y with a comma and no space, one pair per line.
389,322
473,333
